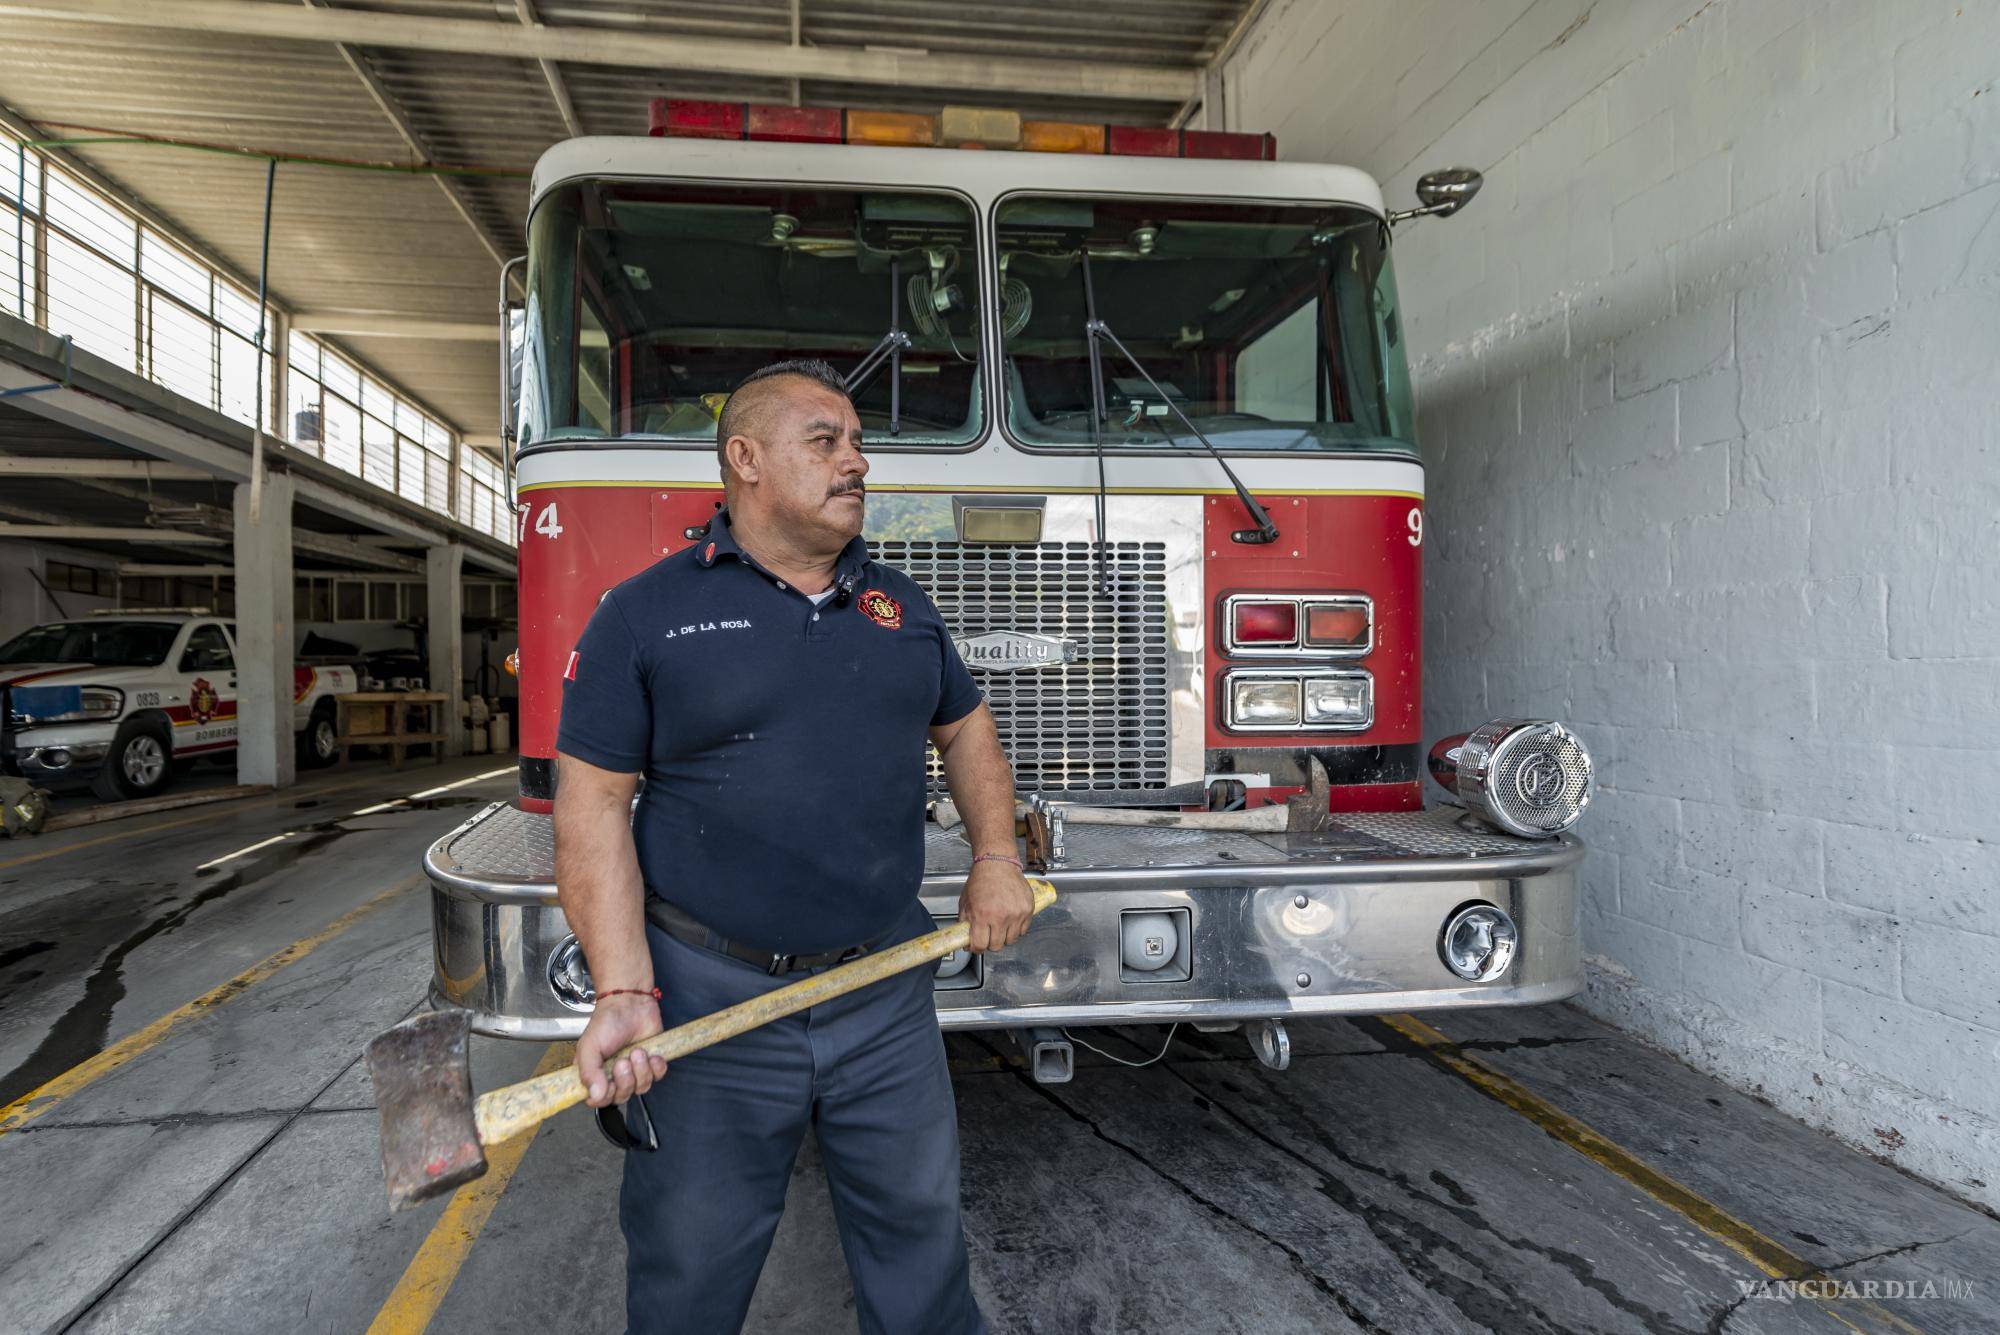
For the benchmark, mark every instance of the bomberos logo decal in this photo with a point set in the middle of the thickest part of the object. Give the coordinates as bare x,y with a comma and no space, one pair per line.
881,609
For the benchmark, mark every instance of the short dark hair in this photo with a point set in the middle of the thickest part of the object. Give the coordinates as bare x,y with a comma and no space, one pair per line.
738,415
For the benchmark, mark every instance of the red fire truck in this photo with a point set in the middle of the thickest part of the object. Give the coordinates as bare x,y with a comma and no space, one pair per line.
1139,418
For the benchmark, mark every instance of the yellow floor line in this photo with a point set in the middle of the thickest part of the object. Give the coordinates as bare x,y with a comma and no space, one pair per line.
428,1278
1766,1253
43,1097
221,811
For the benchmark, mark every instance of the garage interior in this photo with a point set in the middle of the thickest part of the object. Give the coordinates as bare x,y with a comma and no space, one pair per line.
1704,382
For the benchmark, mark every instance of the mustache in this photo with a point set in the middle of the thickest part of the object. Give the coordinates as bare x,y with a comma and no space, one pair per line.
843,488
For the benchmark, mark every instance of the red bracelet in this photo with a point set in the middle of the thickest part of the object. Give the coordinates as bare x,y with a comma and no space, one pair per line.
652,992
1015,863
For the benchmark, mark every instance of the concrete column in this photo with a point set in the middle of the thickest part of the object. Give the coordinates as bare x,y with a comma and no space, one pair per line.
281,373
444,567
264,646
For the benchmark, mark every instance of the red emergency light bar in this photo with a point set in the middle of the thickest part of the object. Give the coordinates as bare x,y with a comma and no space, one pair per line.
955,127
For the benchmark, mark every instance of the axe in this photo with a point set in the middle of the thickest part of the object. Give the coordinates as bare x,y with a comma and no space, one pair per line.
435,1134
1303,813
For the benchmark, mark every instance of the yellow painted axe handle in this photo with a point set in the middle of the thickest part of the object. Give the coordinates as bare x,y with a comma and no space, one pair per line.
502,1114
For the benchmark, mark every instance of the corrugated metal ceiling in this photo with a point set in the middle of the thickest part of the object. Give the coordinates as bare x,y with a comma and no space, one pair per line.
354,241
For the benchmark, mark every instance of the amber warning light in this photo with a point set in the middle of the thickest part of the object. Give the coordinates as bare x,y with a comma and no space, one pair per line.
954,127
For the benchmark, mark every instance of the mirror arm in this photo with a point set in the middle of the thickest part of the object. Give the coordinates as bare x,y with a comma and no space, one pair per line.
1444,207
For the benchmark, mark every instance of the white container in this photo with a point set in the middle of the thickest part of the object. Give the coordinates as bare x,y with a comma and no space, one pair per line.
475,740
500,732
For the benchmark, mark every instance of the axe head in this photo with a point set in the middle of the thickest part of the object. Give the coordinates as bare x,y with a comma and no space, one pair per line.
1308,812
423,1089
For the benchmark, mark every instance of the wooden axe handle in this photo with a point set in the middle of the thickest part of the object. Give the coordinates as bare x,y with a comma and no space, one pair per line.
502,1114
1271,819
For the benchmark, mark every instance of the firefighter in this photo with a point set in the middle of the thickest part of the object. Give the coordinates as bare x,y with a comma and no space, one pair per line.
776,687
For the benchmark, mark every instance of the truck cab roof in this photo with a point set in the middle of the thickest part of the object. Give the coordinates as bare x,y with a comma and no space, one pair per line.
982,176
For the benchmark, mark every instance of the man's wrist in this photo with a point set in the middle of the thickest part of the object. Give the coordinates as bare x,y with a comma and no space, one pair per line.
1008,858
649,995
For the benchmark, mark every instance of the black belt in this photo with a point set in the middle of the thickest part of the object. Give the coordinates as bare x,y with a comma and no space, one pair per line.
681,927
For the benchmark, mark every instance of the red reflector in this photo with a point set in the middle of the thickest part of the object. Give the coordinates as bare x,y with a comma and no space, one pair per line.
1139,142
795,125
1217,144
679,118
1266,623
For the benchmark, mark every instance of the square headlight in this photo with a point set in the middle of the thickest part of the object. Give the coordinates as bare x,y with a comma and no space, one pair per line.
1345,701
1262,702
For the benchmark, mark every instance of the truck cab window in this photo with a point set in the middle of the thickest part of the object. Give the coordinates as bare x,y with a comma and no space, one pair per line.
1271,326
207,651
649,301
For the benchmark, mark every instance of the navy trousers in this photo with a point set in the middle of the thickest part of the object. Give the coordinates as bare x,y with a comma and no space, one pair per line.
867,1073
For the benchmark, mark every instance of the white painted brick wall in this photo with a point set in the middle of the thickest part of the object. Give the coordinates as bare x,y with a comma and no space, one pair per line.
1709,383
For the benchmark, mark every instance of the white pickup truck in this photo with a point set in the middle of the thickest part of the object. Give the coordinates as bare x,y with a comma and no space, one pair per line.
121,698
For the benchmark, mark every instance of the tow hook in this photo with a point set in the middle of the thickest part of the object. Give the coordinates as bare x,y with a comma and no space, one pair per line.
1271,1043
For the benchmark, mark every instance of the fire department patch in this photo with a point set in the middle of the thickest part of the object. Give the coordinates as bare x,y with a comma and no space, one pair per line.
881,609
202,700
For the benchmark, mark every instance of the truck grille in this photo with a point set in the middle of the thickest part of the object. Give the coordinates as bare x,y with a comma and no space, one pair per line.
1100,722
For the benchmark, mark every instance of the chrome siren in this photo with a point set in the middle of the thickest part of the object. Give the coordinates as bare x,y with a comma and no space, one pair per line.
1525,777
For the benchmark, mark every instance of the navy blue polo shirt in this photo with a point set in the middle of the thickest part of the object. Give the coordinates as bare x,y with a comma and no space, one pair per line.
782,742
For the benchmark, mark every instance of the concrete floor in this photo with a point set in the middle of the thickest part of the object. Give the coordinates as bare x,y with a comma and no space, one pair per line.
224,1177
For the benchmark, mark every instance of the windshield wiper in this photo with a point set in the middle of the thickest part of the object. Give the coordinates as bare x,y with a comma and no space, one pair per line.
1095,329
889,348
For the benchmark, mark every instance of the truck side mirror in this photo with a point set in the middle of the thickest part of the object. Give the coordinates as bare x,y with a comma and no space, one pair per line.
513,332
1443,193
510,348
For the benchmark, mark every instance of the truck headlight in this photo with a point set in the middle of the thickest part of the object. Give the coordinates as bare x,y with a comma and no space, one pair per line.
1298,700
1264,701
1338,700
67,704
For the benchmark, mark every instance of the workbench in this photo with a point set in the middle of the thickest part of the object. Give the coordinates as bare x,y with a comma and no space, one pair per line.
383,719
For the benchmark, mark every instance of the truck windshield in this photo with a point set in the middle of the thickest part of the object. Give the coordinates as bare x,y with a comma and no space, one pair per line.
104,643
1273,327
649,301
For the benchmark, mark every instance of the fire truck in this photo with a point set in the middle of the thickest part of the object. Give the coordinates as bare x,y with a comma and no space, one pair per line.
1139,419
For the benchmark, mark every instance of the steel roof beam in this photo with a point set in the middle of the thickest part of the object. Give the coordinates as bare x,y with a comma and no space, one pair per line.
524,10
632,48
372,324
386,102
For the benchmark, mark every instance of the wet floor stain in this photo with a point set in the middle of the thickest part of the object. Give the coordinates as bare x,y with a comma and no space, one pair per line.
122,918
14,954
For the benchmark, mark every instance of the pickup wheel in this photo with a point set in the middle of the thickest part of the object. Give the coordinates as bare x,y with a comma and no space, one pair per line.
319,744
138,764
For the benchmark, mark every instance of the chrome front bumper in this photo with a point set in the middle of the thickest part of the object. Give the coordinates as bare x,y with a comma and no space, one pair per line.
58,752
1340,923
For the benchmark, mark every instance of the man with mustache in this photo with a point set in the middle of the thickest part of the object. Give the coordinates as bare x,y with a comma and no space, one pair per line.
776,687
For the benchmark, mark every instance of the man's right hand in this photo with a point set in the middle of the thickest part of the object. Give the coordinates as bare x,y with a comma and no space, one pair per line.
618,1022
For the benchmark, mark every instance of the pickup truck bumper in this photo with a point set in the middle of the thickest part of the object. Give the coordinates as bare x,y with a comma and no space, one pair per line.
58,753
1267,926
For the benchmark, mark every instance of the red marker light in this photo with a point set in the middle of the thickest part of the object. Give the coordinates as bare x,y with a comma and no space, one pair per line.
1265,623
1336,625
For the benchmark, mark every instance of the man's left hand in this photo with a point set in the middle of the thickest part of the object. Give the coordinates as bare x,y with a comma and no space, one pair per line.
997,904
